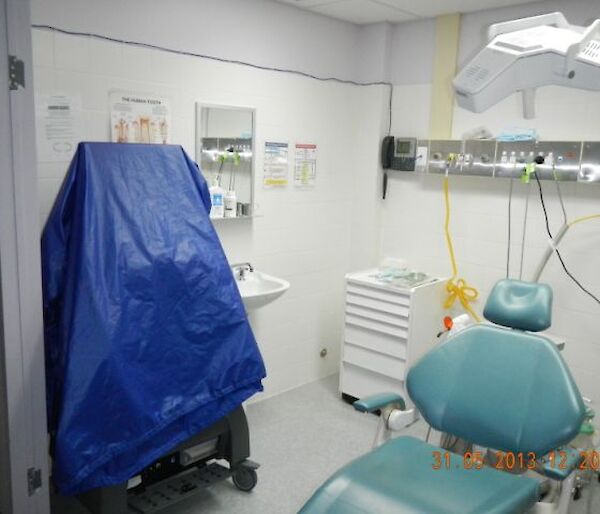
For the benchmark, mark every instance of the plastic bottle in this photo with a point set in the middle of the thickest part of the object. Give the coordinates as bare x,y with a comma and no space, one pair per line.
217,194
230,204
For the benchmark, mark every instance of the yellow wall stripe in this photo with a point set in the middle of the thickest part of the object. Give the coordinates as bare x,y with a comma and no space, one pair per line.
447,32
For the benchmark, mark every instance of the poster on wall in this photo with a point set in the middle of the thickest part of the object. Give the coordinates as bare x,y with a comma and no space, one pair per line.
59,126
305,170
139,118
275,169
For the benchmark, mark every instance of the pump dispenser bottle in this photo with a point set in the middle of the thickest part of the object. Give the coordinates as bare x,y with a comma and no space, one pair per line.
217,200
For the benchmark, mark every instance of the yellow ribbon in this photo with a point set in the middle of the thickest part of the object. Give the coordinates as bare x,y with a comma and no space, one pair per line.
457,289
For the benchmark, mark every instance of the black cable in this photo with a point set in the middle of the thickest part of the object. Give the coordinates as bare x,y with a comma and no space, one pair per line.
549,232
222,59
510,194
209,57
390,107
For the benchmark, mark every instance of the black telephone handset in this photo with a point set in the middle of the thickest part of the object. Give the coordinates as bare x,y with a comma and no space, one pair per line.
397,154
387,152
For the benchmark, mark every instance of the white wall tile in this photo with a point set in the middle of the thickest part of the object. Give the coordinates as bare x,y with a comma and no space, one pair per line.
43,47
106,57
71,52
413,219
306,237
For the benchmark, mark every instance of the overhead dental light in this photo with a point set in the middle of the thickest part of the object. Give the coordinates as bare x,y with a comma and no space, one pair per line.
522,55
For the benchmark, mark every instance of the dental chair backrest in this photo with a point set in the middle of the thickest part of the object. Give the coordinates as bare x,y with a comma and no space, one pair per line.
520,305
499,388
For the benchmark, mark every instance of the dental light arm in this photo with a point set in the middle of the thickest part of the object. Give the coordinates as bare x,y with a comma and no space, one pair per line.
555,241
552,245
522,55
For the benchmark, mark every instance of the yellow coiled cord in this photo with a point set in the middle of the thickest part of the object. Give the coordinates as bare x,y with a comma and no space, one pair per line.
457,289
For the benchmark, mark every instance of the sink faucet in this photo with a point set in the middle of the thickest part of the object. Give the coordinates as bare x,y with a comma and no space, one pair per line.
242,269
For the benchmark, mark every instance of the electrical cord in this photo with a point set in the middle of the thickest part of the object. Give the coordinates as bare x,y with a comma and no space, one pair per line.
525,217
457,288
510,195
560,197
584,218
228,61
206,56
222,59
549,232
390,109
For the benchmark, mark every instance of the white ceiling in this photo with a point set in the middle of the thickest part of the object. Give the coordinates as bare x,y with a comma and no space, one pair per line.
395,11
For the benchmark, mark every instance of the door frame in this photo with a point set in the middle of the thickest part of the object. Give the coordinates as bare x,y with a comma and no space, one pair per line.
23,429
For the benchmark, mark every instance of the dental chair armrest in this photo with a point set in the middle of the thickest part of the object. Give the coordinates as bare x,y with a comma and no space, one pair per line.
379,401
564,462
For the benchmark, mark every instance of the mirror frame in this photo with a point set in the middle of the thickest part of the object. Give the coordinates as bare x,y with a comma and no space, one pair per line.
200,105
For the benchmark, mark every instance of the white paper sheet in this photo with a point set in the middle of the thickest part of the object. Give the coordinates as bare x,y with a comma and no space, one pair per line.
305,170
58,126
275,168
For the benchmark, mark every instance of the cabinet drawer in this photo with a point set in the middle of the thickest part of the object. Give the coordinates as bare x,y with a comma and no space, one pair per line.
385,317
383,343
378,305
399,298
377,326
360,382
375,361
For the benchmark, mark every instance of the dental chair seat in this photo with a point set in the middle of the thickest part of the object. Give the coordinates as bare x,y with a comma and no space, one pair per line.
496,388
398,477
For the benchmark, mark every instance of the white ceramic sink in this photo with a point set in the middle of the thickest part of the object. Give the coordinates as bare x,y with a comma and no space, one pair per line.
259,289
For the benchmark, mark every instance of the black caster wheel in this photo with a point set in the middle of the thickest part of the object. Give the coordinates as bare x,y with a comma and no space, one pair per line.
245,478
577,494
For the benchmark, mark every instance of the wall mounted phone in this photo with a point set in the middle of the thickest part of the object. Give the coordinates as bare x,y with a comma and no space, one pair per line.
399,153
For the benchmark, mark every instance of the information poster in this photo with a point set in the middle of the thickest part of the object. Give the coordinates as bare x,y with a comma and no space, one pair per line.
305,170
275,169
58,126
139,118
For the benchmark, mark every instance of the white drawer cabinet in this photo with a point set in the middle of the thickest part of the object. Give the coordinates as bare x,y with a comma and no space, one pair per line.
386,329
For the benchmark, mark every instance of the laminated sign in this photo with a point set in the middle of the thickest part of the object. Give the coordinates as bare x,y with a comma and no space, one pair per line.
139,118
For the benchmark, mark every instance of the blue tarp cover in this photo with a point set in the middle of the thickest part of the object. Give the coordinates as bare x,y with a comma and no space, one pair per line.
147,340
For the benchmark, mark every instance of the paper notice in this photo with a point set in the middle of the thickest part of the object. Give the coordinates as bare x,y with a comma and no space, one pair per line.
58,126
275,169
139,118
305,170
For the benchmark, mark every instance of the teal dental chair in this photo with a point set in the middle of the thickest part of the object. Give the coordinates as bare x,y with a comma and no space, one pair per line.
501,389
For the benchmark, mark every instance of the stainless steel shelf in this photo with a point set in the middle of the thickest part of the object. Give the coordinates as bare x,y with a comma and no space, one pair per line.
236,218
564,160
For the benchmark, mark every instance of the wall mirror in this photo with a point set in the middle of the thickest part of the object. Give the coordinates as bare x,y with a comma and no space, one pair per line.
225,150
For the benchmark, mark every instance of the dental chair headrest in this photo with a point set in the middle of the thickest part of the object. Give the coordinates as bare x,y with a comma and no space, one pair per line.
520,305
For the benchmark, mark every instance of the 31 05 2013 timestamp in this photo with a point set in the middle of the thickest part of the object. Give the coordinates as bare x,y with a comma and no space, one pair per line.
511,461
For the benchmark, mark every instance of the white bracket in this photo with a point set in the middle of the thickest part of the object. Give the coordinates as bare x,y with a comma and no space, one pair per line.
16,73
528,103
556,19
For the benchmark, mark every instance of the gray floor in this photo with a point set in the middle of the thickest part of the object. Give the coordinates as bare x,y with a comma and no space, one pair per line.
300,438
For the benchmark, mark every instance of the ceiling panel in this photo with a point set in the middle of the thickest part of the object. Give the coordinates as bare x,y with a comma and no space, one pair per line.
362,11
430,8
394,11
306,3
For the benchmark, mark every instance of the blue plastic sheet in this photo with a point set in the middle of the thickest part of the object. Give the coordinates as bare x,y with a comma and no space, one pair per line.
147,339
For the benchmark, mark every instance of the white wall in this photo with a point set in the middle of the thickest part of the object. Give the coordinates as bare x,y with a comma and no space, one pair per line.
302,236
262,32
412,220
313,238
